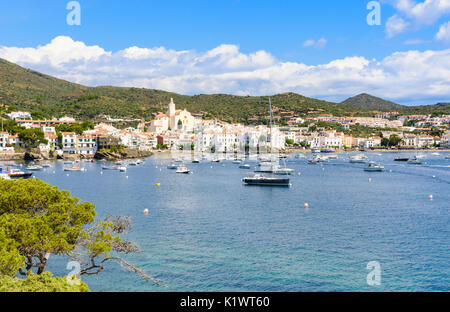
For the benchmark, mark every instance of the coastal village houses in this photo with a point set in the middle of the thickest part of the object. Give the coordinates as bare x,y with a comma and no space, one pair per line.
182,130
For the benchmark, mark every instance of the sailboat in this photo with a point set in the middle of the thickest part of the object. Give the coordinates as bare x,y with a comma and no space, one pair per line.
259,179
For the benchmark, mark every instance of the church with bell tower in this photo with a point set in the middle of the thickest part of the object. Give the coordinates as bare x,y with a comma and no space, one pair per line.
175,120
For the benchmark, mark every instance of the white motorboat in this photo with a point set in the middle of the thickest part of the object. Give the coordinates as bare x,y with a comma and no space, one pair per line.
374,167
415,161
244,166
183,170
34,168
196,161
358,159
237,162
283,171
122,169
313,161
74,169
317,159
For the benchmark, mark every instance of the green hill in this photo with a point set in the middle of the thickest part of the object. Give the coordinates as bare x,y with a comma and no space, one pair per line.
38,93
368,102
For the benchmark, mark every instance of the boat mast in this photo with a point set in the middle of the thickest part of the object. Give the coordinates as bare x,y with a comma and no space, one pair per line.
271,140
6,157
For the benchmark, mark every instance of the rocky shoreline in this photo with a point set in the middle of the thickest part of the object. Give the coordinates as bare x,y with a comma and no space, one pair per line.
36,155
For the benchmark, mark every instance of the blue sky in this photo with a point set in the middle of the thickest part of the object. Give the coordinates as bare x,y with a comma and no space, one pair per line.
280,28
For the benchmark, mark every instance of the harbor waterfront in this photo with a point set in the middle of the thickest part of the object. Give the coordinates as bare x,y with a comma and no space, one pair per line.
206,231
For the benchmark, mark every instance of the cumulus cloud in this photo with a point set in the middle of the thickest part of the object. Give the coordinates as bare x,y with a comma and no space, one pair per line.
408,77
415,15
395,25
319,44
444,33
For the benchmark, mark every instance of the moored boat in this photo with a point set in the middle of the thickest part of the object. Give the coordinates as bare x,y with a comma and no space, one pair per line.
74,169
34,168
358,159
374,167
260,180
415,161
183,170
18,174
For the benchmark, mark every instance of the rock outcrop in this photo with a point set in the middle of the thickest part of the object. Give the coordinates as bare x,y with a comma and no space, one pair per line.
126,154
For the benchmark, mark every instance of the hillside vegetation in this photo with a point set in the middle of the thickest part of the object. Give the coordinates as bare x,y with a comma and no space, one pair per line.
35,92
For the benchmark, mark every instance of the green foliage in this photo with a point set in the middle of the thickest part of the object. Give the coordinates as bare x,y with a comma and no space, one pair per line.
38,220
161,146
368,102
393,141
32,137
41,283
289,141
410,123
77,128
41,219
11,126
10,259
117,149
436,132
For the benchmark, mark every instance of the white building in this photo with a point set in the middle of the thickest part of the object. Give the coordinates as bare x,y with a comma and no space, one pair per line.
19,115
175,120
69,142
86,145
4,140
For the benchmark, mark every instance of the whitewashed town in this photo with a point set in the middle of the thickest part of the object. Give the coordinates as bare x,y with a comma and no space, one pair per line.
181,130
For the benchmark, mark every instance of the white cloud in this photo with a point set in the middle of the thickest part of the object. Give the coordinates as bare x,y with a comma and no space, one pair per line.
408,77
395,25
415,15
319,44
444,33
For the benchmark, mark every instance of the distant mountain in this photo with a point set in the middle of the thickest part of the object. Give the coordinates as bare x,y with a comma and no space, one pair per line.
48,96
366,101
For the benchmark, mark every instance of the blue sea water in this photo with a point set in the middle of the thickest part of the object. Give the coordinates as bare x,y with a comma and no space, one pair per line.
208,232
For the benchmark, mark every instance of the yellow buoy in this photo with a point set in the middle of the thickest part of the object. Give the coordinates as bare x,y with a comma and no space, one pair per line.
158,184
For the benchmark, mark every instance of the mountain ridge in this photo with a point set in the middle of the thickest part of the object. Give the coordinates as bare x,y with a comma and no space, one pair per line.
49,96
